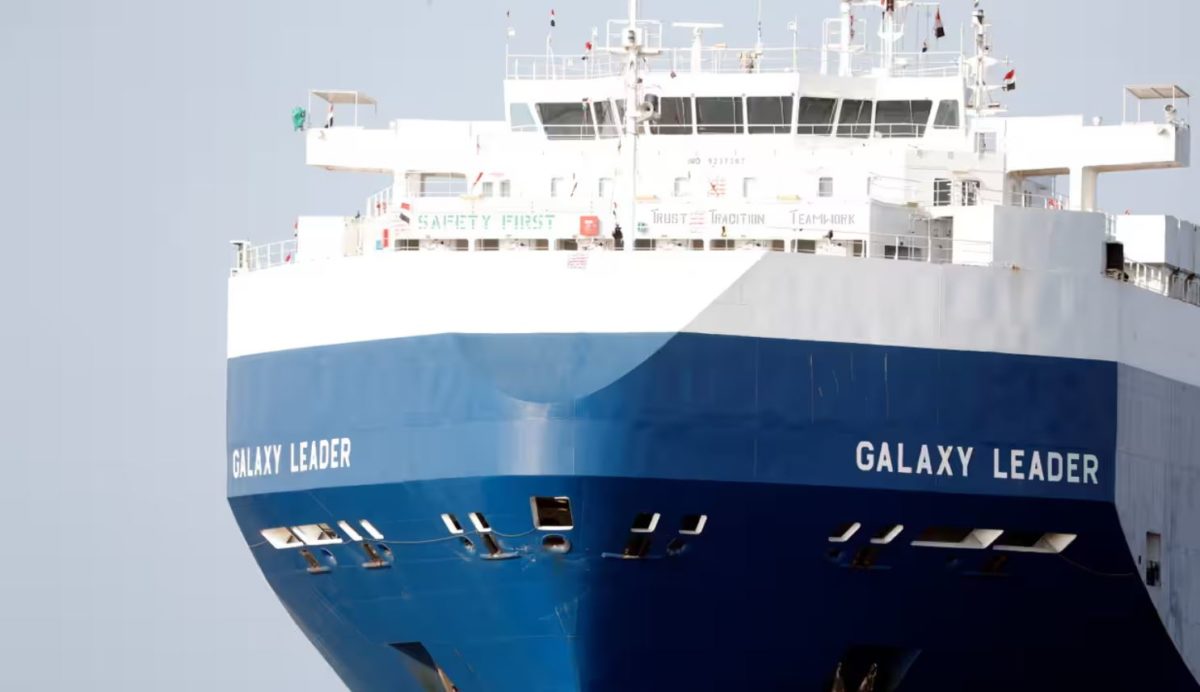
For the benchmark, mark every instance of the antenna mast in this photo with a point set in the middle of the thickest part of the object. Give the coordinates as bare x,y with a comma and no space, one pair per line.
981,100
634,49
758,43
891,33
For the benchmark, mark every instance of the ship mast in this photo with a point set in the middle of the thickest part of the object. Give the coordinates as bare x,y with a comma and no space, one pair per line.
891,33
981,99
633,48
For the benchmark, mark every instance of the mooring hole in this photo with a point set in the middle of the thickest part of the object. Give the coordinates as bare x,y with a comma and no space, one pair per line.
480,522
552,513
349,531
693,524
555,543
452,524
370,529
317,534
645,522
887,534
955,537
844,532
281,538
676,546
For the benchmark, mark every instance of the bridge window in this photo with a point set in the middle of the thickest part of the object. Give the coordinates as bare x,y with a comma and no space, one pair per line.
970,193
947,116
604,188
674,116
816,116
443,185
855,119
719,115
570,121
941,192
506,188
825,187
682,187
606,120
558,187
769,115
902,118
902,252
521,118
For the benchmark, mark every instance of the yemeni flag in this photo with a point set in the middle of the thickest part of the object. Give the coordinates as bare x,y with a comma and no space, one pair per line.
939,30
1010,81
553,19
405,210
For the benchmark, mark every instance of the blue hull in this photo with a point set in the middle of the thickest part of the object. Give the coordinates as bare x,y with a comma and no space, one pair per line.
760,436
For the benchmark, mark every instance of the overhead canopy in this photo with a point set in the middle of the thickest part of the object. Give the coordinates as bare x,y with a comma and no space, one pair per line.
344,97
1150,92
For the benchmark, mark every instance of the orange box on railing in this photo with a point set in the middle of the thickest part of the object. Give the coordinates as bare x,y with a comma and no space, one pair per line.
589,226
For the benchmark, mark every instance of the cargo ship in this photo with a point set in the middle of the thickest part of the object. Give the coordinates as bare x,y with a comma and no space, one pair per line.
714,368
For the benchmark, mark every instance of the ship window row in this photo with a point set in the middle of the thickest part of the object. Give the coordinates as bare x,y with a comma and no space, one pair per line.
707,115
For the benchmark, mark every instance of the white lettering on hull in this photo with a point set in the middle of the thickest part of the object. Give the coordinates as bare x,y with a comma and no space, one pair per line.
1020,465
303,457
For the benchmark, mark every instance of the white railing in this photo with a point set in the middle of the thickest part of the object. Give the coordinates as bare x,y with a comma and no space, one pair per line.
1030,200
913,247
379,203
251,258
721,60
948,192
1164,280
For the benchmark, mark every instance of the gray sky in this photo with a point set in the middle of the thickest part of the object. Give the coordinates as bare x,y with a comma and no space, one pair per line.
138,136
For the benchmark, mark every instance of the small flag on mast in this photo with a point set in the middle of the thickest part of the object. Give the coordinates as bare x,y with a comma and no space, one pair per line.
553,20
939,30
1010,81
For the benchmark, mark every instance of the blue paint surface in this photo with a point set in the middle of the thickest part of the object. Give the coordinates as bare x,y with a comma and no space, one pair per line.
760,435
687,406
760,600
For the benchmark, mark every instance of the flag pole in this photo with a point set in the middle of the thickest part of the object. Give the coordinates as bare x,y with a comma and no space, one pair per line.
633,107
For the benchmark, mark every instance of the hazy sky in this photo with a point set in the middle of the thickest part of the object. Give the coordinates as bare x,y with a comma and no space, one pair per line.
139,136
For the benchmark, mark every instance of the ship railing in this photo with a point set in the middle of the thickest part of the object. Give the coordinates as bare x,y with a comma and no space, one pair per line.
1033,200
1164,280
943,192
915,246
723,60
379,203
946,192
250,258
